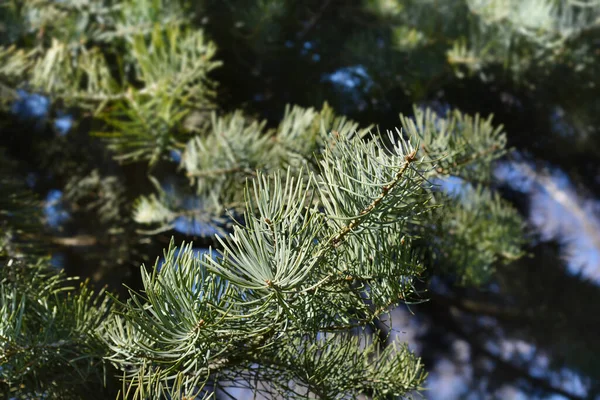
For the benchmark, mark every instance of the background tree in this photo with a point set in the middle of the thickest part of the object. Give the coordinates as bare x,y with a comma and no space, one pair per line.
168,151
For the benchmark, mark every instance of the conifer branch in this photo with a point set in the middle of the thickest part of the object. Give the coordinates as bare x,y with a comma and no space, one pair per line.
337,239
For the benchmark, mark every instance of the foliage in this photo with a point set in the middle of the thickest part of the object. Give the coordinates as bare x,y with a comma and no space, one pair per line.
323,225
48,328
49,345
319,253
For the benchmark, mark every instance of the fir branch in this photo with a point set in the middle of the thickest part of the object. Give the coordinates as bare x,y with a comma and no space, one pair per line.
220,171
480,155
337,239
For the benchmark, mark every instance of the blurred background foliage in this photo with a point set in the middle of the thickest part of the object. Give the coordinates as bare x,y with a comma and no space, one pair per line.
106,107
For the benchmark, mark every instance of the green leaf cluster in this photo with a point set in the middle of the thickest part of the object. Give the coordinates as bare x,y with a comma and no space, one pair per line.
331,224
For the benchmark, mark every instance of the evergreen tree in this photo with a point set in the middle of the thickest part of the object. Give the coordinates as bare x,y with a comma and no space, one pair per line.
320,225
